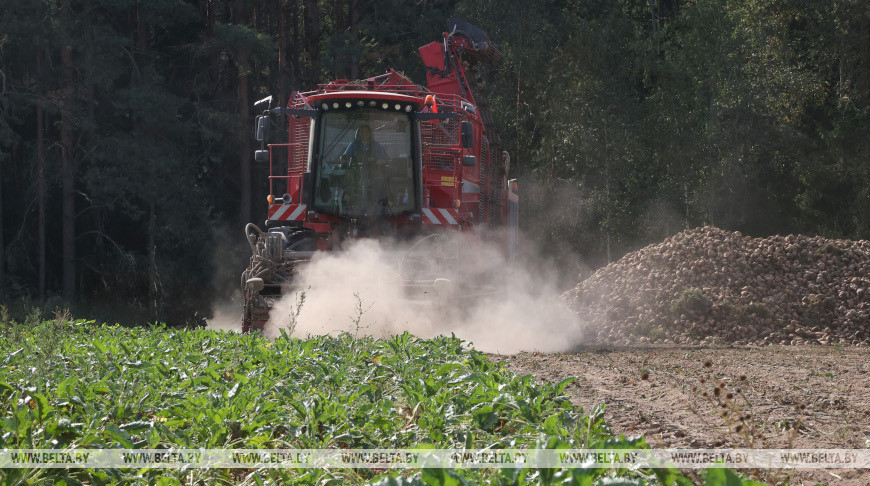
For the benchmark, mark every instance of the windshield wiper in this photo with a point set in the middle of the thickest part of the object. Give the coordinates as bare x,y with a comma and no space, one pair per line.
341,135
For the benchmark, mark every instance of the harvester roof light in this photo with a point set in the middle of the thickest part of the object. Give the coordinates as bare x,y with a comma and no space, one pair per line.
325,106
335,104
431,103
385,106
398,107
373,103
348,104
408,108
360,103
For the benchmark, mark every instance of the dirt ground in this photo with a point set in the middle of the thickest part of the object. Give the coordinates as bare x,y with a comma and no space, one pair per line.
805,397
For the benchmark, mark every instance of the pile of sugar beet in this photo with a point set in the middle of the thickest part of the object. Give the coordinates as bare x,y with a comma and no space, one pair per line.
709,286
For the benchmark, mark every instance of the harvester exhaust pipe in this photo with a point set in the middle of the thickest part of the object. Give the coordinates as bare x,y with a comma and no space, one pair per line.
252,232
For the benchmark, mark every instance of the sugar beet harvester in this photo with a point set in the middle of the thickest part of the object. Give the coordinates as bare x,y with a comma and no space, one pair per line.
385,158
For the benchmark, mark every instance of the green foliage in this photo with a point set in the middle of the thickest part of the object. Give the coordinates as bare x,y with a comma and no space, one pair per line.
726,477
662,115
247,46
73,384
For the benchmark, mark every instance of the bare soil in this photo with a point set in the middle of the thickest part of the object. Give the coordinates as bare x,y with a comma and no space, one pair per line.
806,397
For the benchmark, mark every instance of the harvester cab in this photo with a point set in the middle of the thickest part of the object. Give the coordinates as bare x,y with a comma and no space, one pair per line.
382,157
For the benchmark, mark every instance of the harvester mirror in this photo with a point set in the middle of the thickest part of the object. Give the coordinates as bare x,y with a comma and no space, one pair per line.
263,129
467,134
469,160
261,155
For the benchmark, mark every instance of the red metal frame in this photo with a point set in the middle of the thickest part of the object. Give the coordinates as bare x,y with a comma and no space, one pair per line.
443,174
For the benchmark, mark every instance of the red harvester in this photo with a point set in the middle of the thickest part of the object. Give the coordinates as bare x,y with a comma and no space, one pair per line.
385,158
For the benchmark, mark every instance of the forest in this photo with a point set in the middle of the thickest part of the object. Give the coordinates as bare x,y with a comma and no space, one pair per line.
126,128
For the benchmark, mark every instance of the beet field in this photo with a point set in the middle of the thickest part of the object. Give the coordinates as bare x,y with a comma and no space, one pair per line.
76,386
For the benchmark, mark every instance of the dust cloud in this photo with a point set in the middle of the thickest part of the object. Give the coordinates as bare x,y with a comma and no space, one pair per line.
226,315
360,291
229,255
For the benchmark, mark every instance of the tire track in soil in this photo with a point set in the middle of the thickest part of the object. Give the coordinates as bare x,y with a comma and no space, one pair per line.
832,384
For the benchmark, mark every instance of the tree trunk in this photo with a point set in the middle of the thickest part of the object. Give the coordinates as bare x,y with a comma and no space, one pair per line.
244,153
40,180
341,19
655,32
863,84
2,242
211,20
68,170
153,274
240,16
40,196
283,47
296,57
312,42
141,37
355,19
